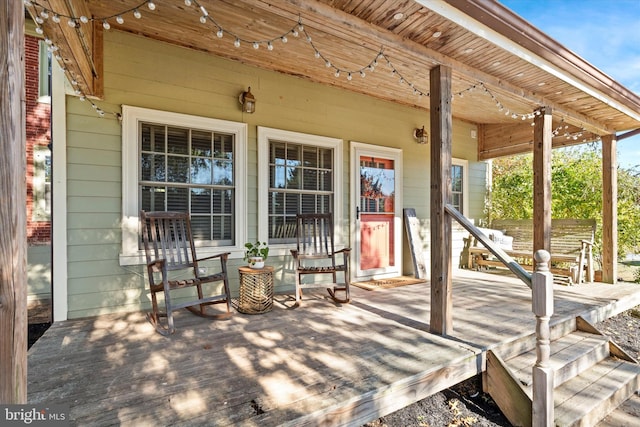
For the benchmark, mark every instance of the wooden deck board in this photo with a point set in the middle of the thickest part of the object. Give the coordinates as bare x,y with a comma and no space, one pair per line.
320,364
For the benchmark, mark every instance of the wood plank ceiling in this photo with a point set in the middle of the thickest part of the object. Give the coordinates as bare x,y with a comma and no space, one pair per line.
338,41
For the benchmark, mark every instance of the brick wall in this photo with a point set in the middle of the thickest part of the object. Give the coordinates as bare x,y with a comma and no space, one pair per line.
38,132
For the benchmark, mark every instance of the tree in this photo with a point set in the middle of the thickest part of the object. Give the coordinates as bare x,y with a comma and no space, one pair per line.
576,188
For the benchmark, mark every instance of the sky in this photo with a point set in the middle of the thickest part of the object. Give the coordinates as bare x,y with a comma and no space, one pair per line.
606,33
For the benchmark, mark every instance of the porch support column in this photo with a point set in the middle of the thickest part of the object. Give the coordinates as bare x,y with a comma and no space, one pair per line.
13,193
609,209
542,138
441,121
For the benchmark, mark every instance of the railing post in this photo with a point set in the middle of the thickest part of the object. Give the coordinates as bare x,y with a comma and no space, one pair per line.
542,284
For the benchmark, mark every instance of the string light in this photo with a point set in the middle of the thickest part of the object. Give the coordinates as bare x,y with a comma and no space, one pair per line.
75,22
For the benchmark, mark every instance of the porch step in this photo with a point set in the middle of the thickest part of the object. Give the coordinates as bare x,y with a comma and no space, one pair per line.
625,415
592,377
570,355
592,395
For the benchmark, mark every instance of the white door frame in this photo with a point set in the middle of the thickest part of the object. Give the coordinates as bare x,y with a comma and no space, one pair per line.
59,265
358,149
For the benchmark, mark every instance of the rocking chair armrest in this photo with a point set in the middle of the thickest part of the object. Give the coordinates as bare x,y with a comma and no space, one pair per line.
156,265
224,256
346,250
587,242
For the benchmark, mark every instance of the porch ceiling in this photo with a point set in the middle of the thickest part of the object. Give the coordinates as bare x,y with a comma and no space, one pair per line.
496,83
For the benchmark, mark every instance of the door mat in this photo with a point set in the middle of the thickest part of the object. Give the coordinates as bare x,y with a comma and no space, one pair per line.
393,282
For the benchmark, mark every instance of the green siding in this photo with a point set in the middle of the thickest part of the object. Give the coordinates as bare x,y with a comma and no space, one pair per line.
39,272
149,74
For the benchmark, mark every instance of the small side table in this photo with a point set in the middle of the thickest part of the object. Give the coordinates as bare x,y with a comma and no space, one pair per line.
256,290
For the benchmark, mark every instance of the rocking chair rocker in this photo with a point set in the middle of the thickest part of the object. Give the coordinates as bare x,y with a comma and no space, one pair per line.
169,247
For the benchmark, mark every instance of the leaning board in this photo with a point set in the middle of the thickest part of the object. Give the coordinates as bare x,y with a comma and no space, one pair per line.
412,225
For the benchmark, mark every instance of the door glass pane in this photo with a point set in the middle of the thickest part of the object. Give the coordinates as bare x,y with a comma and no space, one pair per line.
377,185
377,206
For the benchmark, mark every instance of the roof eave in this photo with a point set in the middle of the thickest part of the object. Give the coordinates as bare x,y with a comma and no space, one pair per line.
543,51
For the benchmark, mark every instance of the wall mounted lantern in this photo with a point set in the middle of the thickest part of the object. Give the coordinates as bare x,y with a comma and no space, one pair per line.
248,101
421,135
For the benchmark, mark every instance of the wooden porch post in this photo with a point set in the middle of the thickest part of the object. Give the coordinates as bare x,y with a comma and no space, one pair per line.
542,138
609,209
441,121
13,193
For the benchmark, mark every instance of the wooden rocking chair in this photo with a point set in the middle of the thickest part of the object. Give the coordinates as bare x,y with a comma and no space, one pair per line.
315,254
169,247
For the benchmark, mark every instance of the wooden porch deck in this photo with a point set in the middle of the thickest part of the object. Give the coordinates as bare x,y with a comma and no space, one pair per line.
319,364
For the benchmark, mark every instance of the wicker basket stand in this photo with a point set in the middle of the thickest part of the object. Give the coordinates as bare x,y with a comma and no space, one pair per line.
256,290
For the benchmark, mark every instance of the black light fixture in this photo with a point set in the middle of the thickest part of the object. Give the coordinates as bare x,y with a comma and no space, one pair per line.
248,101
421,135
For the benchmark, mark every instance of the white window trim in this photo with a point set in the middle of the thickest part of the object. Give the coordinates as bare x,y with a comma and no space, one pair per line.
265,135
465,183
131,117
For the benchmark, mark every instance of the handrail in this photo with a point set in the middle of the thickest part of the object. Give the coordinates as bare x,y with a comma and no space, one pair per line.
508,262
541,283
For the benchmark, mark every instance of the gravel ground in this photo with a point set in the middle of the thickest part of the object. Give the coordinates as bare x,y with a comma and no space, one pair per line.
466,404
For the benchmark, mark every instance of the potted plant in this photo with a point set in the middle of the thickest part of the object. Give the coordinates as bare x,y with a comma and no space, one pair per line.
256,253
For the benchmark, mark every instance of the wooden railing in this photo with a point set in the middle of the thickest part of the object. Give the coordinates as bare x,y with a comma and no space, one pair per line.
508,262
541,283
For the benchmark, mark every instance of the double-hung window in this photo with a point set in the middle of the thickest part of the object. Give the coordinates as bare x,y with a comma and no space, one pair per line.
459,186
176,162
299,173
41,183
44,73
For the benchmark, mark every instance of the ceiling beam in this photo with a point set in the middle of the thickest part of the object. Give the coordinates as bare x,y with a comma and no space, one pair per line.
80,47
498,140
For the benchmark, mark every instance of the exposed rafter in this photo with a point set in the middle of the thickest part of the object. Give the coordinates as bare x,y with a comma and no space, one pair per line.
81,46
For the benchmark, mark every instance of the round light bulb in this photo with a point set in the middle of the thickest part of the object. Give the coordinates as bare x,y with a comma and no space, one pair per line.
119,20
151,5
220,33
137,14
105,25
236,43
